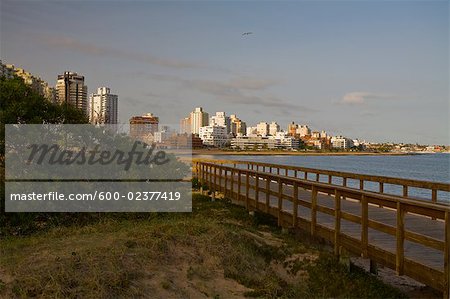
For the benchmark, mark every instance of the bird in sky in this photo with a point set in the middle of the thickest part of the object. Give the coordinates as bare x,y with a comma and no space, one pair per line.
247,33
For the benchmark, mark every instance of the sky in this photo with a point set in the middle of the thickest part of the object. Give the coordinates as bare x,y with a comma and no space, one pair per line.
373,70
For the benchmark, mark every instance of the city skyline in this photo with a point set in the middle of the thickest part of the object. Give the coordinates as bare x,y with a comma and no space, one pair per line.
385,79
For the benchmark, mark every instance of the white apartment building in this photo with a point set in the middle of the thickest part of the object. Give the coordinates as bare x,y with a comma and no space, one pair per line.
253,142
214,135
285,141
103,107
341,142
252,131
274,128
262,129
303,130
199,119
220,119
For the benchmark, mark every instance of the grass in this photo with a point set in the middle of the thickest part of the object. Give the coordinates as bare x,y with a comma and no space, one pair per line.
218,251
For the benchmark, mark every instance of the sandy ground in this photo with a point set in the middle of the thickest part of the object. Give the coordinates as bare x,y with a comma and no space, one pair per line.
409,286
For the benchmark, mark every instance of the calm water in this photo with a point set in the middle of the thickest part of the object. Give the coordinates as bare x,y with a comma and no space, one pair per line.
428,167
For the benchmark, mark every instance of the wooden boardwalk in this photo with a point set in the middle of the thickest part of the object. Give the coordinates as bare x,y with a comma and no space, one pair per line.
410,236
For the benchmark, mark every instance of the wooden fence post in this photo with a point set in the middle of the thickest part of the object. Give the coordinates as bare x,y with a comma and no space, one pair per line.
247,190
225,182
232,184
215,178
313,210
268,195
364,226
295,205
280,201
337,220
399,261
447,256
256,190
239,185
210,177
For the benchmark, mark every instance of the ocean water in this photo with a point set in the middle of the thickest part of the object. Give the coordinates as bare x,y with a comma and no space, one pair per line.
426,167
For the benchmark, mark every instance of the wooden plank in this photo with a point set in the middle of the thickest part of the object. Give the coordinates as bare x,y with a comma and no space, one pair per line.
387,229
425,240
351,217
325,210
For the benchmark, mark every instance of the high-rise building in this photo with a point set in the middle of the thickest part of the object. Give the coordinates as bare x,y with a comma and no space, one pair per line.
70,88
144,127
220,119
237,126
185,125
292,129
103,107
199,119
274,128
262,129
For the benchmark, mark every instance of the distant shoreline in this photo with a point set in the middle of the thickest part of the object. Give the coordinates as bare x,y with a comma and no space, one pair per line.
271,153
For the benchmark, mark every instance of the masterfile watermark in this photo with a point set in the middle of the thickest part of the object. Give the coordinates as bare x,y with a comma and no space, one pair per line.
56,155
87,168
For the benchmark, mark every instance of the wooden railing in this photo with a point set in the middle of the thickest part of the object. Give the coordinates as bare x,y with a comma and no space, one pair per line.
318,174
424,226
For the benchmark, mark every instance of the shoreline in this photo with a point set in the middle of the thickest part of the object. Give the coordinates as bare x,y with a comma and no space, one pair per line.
271,153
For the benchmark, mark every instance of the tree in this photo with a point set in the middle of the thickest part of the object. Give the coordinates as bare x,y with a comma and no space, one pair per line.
19,104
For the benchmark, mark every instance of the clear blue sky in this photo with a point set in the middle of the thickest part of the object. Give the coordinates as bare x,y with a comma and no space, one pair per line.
376,70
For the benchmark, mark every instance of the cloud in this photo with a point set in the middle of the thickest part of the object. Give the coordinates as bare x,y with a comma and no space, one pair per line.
235,91
361,97
93,49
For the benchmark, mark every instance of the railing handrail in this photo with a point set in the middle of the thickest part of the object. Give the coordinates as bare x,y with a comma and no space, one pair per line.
347,190
423,184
